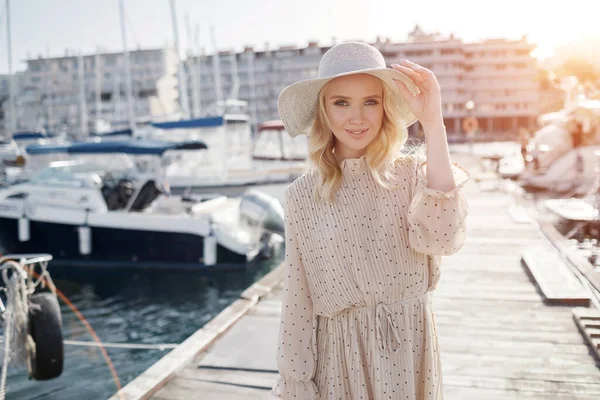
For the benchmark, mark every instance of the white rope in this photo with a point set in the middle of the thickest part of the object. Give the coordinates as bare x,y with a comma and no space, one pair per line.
17,308
7,327
19,284
160,346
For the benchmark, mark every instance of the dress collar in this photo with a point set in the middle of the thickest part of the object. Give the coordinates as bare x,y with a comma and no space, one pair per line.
354,165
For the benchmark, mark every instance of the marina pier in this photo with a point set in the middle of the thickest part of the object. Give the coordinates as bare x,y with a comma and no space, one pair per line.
499,335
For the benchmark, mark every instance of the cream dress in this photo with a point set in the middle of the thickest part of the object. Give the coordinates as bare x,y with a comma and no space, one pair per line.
357,321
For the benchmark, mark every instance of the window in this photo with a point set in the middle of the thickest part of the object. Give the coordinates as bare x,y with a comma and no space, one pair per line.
449,51
17,196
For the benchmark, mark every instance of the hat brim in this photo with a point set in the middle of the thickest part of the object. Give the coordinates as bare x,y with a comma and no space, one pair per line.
297,103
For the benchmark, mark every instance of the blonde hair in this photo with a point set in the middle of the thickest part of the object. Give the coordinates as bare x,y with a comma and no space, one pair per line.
380,154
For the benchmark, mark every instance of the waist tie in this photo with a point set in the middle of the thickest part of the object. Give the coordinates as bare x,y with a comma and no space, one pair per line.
386,328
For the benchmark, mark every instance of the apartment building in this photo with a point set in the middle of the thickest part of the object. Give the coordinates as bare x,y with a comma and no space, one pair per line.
498,76
78,91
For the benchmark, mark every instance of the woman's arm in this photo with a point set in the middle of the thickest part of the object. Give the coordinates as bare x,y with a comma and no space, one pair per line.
296,351
438,207
439,169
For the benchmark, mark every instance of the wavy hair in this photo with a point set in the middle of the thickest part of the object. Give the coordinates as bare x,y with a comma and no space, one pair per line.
380,154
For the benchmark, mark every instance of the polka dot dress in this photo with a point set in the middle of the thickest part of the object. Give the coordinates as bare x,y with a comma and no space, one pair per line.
357,321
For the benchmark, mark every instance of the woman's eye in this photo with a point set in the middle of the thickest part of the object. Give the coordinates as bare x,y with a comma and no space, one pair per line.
343,103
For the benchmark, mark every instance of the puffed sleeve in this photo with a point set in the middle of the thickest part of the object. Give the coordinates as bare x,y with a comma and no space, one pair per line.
436,218
297,348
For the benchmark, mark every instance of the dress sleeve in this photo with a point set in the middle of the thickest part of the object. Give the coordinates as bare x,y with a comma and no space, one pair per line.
297,346
436,218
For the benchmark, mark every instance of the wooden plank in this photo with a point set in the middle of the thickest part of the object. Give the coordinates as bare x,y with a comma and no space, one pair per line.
261,332
556,388
571,254
556,281
483,295
459,331
458,360
248,378
527,373
588,322
185,389
507,347
463,393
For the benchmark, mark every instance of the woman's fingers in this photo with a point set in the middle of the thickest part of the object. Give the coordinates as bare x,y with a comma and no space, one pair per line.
418,68
415,76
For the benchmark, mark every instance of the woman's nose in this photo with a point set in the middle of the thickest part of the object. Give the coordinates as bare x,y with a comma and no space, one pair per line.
357,116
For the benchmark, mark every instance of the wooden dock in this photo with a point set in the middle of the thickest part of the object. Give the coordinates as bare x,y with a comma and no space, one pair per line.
498,339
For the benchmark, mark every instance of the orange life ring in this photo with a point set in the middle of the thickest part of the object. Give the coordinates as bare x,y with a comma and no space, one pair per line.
470,124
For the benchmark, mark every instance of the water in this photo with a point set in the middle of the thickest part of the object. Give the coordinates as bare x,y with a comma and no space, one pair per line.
148,307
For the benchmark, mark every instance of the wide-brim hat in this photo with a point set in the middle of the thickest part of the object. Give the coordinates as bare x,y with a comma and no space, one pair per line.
297,103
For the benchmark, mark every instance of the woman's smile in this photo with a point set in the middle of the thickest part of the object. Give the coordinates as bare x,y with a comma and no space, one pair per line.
357,134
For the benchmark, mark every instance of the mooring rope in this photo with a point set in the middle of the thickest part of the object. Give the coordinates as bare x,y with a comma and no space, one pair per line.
159,346
8,327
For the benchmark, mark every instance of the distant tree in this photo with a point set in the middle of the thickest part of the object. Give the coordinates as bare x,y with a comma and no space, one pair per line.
582,69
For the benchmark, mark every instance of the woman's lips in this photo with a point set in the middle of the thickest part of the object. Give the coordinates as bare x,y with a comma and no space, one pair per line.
357,135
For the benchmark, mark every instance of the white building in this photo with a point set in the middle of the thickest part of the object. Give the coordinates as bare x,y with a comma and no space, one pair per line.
498,76
5,100
51,93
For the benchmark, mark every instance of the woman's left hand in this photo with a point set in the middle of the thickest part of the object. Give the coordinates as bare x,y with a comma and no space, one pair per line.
427,105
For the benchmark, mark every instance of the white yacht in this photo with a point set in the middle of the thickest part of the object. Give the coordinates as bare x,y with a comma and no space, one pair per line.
233,157
564,155
104,212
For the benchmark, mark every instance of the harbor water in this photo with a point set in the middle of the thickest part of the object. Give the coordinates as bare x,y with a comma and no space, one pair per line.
144,307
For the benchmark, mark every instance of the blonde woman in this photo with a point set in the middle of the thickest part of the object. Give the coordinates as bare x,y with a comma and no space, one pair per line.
365,231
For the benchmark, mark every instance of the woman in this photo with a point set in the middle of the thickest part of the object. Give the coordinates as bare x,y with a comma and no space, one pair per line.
365,231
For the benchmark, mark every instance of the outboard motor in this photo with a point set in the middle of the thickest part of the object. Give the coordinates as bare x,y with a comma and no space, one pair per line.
262,211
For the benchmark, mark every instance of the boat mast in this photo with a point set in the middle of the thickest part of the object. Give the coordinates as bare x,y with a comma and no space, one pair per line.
217,73
83,120
235,79
49,92
192,70
250,59
117,96
98,89
127,67
11,79
183,94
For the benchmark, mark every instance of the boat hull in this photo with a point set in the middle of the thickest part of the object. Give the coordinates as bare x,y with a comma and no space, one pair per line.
113,247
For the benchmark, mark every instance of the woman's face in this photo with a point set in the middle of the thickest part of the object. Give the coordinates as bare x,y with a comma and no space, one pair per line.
354,106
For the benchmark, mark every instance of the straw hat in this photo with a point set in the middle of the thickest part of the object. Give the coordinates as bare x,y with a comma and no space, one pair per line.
298,102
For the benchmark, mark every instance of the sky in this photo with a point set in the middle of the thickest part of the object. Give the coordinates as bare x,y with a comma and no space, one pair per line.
49,27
